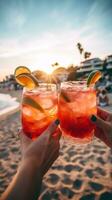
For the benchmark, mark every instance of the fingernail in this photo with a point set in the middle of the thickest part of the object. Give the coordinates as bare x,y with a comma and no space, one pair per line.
93,118
57,122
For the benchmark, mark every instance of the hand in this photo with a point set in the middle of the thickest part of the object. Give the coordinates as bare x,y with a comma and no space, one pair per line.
103,122
43,151
37,157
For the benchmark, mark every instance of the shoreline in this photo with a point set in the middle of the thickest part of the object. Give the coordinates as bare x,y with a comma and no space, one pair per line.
12,109
12,93
9,111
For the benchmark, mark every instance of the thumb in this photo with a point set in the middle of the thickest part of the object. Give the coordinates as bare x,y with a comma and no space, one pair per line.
100,123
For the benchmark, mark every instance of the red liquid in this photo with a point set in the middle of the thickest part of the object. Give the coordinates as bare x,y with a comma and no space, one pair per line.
75,115
34,122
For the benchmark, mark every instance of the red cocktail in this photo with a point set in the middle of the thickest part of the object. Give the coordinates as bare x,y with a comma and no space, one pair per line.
39,109
77,103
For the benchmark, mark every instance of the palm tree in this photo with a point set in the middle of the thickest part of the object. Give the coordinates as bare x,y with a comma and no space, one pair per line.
79,45
55,64
87,55
72,70
80,48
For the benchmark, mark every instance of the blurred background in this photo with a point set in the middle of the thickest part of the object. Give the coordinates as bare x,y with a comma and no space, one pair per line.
65,40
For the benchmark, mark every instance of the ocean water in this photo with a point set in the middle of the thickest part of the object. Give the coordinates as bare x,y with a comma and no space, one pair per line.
6,101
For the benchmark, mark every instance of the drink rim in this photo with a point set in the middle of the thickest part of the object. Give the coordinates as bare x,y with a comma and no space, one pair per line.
45,84
74,84
84,81
51,86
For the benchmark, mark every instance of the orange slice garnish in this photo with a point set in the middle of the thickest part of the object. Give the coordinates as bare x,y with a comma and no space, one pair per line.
27,80
20,70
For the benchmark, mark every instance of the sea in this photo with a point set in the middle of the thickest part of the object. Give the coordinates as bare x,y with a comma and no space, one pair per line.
7,103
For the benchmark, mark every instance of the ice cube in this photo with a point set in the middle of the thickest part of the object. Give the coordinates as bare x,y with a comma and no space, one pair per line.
32,114
46,103
27,111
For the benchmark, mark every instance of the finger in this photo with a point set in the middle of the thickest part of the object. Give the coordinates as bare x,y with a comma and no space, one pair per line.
50,162
57,135
104,125
102,113
100,134
54,145
51,129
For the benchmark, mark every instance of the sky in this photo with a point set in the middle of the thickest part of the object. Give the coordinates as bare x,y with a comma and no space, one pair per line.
37,33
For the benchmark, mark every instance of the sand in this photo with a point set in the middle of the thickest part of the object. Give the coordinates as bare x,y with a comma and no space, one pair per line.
82,172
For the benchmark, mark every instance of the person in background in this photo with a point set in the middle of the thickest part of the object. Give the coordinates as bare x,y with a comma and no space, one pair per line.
108,85
103,99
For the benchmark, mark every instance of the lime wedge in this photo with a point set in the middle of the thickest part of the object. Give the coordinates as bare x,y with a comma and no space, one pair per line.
93,77
29,101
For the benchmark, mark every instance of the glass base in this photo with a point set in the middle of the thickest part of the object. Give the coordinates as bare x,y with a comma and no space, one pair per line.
78,141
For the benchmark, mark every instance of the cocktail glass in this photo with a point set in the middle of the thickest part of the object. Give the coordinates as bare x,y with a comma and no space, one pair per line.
39,109
76,104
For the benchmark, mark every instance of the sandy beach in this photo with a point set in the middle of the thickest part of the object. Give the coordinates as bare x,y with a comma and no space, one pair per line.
82,172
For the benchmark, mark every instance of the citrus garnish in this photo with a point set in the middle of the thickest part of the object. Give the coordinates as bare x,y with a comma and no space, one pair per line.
20,70
93,77
27,80
33,103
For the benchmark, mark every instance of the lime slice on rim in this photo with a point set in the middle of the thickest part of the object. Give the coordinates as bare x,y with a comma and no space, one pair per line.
93,77
29,101
27,80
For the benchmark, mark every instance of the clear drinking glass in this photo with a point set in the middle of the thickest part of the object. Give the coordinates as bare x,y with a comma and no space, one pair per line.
39,109
76,104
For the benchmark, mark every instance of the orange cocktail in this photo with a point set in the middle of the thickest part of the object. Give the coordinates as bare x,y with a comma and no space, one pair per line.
39,109
77,103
